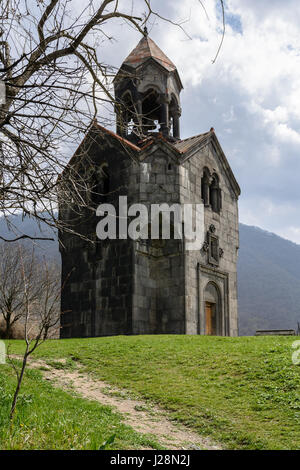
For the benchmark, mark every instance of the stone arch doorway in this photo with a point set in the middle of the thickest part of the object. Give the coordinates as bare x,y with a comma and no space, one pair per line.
213,309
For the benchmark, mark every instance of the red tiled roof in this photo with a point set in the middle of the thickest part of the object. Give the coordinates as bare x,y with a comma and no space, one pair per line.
180,146
94,124
145,49
184,145
121,139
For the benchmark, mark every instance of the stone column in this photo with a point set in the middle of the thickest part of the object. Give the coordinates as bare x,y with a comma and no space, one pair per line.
176,125
139,110
165,116
205,190
120,119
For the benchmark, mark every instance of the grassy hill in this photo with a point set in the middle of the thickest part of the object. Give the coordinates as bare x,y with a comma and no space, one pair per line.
242,392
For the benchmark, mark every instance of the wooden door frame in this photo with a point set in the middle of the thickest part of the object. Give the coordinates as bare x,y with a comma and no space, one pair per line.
221,279
210,306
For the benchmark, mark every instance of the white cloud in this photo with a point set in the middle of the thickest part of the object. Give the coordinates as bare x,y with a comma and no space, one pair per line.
291,233
251,95
270,216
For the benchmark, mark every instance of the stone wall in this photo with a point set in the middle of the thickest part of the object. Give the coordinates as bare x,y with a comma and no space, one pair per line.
198,271
97,297
158,300
157,286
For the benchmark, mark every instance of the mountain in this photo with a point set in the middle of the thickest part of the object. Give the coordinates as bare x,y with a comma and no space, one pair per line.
268,274
19,225
268,281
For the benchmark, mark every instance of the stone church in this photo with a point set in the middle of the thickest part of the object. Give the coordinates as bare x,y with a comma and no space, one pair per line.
125,286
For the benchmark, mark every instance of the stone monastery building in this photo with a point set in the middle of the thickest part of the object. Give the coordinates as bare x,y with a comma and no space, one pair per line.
125,286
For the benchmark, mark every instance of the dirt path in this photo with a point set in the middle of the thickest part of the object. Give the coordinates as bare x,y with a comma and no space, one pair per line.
140,415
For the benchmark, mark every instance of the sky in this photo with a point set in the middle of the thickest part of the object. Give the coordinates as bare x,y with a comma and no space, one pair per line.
250,95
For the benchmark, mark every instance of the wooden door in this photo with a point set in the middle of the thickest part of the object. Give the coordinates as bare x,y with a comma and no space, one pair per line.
210,318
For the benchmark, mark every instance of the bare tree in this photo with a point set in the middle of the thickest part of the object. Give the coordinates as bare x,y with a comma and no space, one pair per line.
17,260
11,285
56,82
40,311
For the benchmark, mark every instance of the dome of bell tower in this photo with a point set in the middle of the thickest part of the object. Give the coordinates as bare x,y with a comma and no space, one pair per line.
147,92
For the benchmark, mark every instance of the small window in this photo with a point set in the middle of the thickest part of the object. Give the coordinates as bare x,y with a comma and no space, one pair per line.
215,194
100,185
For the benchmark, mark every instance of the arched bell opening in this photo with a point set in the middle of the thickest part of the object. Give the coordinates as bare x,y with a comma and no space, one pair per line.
127,115
151,111
154,85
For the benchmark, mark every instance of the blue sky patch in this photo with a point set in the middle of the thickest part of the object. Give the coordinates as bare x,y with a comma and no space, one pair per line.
234,21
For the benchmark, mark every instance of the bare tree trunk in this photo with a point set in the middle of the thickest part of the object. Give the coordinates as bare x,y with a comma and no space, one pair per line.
7,331
12,285
7,326
42,293
19,383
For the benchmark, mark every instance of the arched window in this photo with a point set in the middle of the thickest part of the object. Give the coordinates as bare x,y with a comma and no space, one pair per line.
100,184
205,186
215,193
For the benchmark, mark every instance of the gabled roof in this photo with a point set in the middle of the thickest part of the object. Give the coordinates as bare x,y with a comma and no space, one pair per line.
182,149
91,135
184,145
189,146
146,49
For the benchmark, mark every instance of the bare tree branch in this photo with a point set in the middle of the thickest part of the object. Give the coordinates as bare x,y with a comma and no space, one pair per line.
22,237
223,32
56,84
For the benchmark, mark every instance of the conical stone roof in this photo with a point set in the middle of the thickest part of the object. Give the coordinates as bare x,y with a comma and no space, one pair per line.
146,49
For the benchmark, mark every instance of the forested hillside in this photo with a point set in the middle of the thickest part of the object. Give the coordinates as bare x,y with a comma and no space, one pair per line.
268,281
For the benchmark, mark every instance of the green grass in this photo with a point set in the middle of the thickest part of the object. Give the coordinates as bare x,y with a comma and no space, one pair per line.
49,418
243,392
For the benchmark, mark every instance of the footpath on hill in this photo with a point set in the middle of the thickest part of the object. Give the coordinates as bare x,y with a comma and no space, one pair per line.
141,415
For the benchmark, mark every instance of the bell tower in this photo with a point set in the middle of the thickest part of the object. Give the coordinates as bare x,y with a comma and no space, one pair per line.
152,276
147,93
